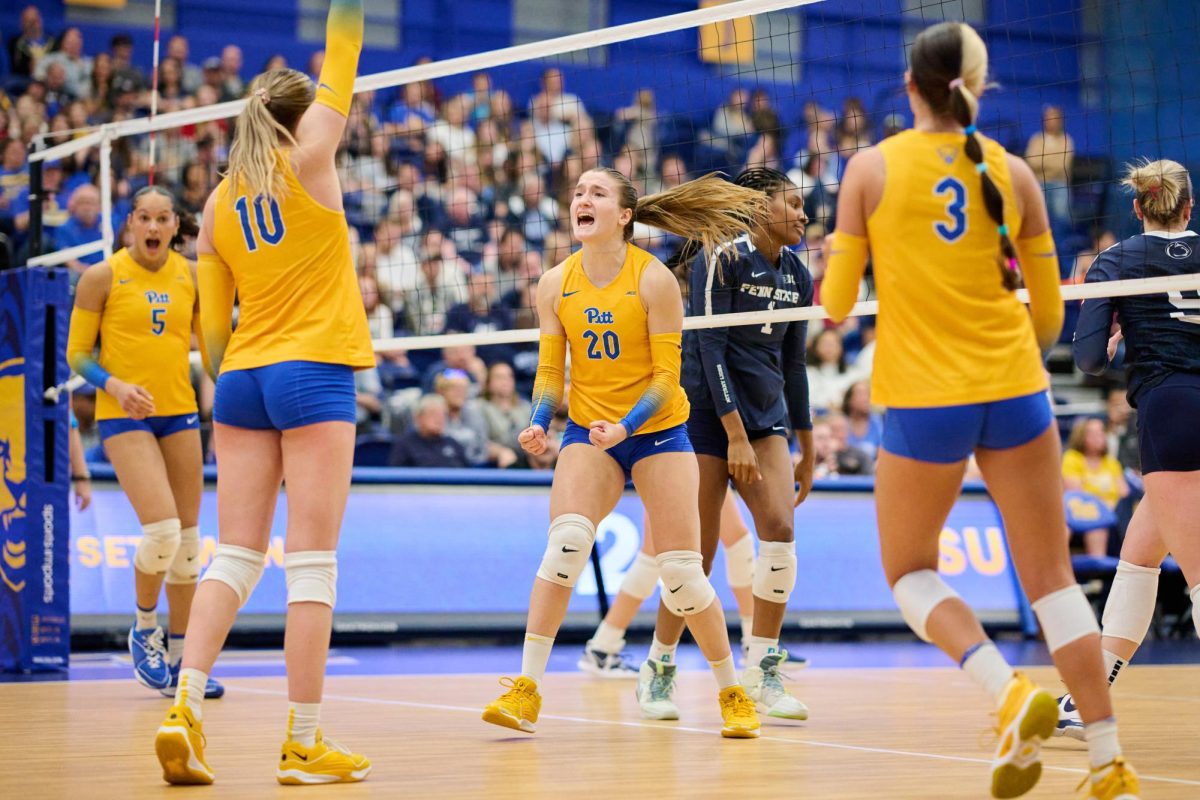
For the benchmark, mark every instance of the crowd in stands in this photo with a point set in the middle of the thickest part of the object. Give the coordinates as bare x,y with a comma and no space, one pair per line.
456,205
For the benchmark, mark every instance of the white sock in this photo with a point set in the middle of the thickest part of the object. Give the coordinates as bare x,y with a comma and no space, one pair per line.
534,656
724,672
190,691
988,668
608,639
175,649
303,719
759,646
146,618
747,629
1195,595
1102,742
662,652
1113,664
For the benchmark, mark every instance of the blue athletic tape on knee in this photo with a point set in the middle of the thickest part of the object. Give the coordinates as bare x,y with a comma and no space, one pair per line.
156,550
641,577
775,571
739,562
1130,605
311,576
917,595
570,543
185,567
239,568
686,590
1065,616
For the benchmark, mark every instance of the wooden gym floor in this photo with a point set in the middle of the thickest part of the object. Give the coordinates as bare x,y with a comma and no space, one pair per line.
873,733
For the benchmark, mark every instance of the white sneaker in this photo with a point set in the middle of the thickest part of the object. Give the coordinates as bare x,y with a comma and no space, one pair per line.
765,686
1069,722
605,665
656,684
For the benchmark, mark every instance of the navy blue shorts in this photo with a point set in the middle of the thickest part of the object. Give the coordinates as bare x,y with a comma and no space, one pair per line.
158,427
286,395
1168,436
948,434
637,447
708,434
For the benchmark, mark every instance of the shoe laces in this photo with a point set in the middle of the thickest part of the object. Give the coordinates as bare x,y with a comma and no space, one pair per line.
662,685
156,651
332,745
772,674
518,691
740,704
1114,768
616,661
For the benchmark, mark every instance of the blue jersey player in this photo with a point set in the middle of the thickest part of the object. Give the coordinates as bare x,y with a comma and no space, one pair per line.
1162,357
748,390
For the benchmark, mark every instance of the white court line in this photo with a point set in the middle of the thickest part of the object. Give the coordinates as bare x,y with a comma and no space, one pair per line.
684,729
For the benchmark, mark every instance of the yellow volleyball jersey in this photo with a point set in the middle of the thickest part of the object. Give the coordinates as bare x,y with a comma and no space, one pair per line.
949,333
610,345
297,291
146,334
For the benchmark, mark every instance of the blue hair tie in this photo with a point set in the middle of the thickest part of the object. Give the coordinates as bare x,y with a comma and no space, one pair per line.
970,130
1004,230
981,167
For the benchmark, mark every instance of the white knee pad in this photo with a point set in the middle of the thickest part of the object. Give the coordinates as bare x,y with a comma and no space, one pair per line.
239,568
917,595
1195,595
1066,617
1130,605
739,562
160,542
311,576
641,577
686,590
185,568
775,572
567,552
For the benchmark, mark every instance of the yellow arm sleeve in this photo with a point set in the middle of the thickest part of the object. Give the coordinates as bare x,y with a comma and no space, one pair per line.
550,378
81,347
1039,265
216,309
843,273
343,43
666,352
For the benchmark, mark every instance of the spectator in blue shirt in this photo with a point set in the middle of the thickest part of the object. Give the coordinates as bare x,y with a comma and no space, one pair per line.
82,227
426,444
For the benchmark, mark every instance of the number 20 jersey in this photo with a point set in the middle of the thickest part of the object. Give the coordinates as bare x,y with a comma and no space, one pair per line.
297,292
949,333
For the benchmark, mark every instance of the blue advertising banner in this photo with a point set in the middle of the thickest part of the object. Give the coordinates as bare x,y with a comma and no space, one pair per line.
34,617
401,544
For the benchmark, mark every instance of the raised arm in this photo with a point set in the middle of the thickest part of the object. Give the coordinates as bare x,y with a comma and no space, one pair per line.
321,127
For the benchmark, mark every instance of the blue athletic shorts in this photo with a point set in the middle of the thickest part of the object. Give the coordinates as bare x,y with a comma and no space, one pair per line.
159,427
948,434
708,434
635,448
1168,436
286,395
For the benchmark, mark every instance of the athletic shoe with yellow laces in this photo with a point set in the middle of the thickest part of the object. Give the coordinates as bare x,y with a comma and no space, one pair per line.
737,710
517,708
180,748
1028,715
1114,781
325,762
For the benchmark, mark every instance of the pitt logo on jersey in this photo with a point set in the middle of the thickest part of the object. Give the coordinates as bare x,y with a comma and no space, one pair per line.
597,317
158,298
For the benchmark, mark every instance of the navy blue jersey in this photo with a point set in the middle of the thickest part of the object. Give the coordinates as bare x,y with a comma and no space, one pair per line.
1162,331
757,369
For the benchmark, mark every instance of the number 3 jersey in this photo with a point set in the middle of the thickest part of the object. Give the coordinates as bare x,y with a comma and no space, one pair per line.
948,332
146,334
297,292
610,346
1162,331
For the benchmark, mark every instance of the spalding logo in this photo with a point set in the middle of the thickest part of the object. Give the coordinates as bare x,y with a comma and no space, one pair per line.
12,465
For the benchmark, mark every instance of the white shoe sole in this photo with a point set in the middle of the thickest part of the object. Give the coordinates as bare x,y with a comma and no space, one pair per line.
504,720
607,674
1018,771
297,776
666,713
179,763
1071,732
137,675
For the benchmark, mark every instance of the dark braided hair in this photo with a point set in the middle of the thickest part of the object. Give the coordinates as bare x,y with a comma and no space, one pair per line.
187,220
764,179
949,68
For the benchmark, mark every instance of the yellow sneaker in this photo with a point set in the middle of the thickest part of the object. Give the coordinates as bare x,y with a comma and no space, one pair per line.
325,762
180,748
737,709
1028,715
517,708
1118,782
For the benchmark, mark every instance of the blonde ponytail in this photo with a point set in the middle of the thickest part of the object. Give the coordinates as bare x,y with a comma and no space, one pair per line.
276,101
710,210
1163,189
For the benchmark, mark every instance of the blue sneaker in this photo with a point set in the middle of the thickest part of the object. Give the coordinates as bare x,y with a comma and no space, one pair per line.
212,689
149,655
